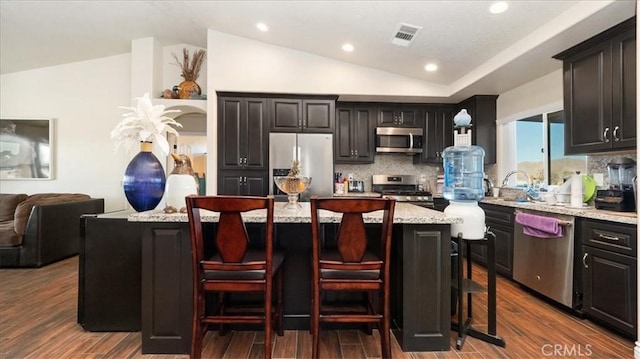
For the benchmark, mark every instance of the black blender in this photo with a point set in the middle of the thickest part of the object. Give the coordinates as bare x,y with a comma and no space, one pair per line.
620,196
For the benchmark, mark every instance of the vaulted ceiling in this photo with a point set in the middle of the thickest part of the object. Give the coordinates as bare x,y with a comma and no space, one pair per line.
471,46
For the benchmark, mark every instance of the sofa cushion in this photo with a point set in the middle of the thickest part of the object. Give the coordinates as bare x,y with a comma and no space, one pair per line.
9,237
23,210
8,204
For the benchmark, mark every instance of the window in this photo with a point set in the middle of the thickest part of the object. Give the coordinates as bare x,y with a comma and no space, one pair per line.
539,150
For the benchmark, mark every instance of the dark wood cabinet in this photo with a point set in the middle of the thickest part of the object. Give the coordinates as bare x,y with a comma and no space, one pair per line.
609,274
243,146
400,115
482,109
355,134
599,78
302,115
110,273
242,133
499,220
438,131
244,183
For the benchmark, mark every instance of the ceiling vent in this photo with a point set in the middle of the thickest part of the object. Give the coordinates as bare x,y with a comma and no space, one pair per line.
405,34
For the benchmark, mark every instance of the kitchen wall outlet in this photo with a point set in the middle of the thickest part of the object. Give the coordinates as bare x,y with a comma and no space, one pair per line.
599,178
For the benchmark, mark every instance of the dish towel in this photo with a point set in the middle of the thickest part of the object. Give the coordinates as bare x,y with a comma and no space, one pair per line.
539,226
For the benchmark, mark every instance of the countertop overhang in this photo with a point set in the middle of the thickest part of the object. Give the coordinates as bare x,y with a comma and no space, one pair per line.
404,214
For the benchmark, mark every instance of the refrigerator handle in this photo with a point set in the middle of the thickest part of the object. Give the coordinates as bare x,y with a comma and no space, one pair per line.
410,140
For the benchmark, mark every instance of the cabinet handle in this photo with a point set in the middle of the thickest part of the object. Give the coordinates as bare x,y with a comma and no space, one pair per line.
615,134
356,153
605,133
609,238
584,260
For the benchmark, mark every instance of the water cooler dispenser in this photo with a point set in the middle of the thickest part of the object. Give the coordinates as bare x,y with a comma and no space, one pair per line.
464,186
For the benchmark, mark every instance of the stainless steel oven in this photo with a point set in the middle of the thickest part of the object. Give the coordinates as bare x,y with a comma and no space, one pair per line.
546,264
403,188
399,140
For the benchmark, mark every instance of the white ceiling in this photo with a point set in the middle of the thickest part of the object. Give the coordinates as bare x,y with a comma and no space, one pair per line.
477,52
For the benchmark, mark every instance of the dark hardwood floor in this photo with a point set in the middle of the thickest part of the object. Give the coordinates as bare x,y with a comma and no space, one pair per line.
38,310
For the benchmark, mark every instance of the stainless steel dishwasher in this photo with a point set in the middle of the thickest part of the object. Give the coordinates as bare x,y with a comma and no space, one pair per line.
545,264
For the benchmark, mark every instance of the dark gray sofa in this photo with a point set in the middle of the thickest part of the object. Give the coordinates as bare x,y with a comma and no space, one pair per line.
42,228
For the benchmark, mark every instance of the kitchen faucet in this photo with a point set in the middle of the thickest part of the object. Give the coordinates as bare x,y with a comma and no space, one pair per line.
505,181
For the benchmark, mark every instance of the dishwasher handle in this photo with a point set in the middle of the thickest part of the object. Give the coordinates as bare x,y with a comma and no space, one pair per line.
584,260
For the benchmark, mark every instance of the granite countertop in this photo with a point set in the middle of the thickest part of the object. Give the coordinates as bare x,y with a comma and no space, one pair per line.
585,212
404,214
358,194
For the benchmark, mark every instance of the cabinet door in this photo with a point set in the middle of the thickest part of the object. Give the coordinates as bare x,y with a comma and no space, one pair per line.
230,183
438,133
286,115
482,109
256,184
343,151
610,288
587,100
243,183
363,135
354,142
400,116
318,116
624,91
242,133
387,116
409,116
504,248
230,124
256,134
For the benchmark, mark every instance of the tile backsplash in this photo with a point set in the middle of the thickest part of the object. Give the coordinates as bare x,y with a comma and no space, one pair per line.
403,164
598,163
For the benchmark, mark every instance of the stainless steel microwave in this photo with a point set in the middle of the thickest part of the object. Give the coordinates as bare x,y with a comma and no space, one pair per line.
399,140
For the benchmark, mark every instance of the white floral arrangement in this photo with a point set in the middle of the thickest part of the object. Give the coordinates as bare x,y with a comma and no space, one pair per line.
145,123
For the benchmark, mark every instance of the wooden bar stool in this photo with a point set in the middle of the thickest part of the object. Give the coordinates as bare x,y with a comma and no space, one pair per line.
234,268
351,266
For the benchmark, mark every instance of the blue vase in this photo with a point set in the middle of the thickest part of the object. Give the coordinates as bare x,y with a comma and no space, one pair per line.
144,180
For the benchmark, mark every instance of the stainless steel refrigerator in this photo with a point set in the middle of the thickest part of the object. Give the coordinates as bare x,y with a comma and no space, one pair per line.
315,153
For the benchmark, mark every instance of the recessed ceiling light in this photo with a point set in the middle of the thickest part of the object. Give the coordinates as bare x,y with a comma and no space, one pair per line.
262,26
347,47
499,7
431,67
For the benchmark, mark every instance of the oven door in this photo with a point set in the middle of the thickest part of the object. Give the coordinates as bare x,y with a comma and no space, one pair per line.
399,140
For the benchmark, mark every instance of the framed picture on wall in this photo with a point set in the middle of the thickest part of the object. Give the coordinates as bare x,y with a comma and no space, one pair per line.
26,148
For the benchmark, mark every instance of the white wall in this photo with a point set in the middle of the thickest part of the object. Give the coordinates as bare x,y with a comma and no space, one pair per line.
531,98
83,98
543,94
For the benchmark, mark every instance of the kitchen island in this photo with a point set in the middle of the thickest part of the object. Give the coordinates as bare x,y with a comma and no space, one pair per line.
421,273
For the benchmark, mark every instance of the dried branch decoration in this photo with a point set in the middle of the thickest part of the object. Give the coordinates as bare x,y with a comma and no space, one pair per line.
190,68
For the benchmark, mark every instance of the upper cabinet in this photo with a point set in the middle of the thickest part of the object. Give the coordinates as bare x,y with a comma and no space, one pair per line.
302,115
482,109
400,115
438,130
355,133
242,133
599,78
